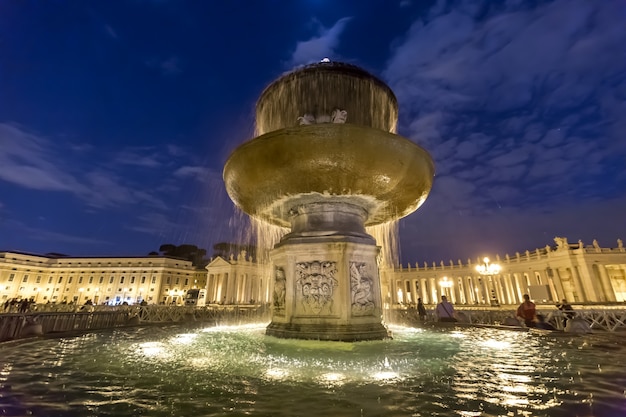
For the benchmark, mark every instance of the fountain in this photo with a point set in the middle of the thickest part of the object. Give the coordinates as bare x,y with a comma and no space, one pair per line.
327,163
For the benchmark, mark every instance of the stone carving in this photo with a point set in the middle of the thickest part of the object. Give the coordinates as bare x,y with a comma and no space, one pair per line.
307,119
561,243
620,244
596,244
280,288
337,116
315,287
361,289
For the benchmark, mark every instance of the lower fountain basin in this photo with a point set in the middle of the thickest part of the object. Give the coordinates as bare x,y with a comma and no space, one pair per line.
237,371
272,175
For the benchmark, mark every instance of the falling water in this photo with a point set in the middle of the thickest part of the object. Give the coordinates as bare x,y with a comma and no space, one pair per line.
368,101
386,235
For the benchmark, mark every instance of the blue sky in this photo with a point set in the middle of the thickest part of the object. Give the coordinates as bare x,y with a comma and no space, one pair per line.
116,118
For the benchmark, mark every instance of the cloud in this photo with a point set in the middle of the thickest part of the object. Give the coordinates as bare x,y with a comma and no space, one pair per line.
321,46
110,31
167,67
35,162
41,234
512,94
29,161
141,157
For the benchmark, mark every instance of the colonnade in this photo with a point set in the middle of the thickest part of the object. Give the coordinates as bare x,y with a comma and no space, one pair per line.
237,288
577,279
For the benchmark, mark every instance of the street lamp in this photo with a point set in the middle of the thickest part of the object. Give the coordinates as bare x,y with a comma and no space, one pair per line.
489,269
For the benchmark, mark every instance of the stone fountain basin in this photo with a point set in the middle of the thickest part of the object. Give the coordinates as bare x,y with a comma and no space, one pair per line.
272,175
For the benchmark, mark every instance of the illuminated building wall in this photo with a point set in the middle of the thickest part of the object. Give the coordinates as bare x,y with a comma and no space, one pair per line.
156,279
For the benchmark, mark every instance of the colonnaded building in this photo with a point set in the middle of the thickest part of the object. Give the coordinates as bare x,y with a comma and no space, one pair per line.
65,279
583,274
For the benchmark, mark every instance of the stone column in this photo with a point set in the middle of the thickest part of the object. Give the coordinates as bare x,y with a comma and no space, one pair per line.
584,295
558,285
484,293
468,290
458,288
425,291
510,289
607,288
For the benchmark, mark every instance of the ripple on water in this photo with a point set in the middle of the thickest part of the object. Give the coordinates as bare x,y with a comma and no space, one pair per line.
178,370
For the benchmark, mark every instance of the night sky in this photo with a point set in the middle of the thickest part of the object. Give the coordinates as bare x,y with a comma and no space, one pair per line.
116,117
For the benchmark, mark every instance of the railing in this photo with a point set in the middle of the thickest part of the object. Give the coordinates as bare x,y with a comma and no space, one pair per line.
610,320
15,326
234,314
19,325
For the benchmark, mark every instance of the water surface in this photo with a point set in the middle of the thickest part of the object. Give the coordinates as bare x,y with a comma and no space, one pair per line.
237,371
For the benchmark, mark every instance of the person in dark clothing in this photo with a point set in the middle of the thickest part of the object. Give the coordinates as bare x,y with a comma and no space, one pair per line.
542,324
568,311
421,310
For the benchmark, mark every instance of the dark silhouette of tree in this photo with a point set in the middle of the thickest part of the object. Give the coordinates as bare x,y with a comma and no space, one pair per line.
192,253
225,249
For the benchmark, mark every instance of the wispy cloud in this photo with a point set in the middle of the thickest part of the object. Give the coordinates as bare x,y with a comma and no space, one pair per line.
516,98
30,161
36,162
169,66
320,46
110,31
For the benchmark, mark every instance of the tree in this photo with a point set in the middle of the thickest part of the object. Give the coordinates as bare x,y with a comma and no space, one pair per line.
225,249
186,251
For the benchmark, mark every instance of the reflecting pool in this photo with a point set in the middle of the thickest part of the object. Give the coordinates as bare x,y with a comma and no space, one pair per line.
237,371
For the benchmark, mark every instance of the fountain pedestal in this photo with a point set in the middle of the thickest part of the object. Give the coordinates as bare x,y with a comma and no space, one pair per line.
326,283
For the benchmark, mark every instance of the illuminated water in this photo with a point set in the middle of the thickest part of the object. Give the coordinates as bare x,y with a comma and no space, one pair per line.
193,371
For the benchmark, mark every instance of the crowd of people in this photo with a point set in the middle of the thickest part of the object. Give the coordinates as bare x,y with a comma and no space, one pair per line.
16,305
526,313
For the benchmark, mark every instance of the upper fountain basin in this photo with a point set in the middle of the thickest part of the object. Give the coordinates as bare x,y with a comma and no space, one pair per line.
272,175
317,90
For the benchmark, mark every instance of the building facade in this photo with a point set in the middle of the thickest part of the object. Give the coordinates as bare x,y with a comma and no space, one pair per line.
103,280
583,274
580,273
238,280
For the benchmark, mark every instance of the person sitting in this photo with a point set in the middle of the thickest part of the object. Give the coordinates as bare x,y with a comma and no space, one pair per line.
578,325
526,311
543,324
445,310
568,311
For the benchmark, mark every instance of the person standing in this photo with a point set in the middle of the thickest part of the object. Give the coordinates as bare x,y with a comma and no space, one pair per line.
445,310
421,310
568,311
527,311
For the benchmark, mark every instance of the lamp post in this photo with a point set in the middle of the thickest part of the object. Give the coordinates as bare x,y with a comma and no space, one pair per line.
489,269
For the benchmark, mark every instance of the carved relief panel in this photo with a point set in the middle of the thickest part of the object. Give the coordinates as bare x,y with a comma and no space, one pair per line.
278,297
362,289
315,287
